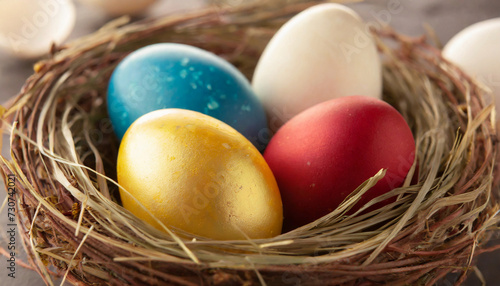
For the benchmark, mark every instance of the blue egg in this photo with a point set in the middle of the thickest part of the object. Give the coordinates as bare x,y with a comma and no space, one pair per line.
180,76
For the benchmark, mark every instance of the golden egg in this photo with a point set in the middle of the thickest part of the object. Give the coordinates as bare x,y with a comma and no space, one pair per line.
196,173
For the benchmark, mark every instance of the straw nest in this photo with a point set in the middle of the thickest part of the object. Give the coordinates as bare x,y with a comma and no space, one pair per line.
63,159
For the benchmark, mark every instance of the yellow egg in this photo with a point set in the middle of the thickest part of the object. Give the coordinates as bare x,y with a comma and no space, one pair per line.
196,173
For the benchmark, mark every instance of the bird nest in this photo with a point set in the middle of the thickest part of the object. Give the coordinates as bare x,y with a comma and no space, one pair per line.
63,171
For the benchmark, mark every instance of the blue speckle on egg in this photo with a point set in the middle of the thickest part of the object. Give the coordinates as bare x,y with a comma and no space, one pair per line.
180,76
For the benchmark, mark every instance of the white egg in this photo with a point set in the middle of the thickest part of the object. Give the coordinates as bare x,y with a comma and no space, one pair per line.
476,49
322,53
28,28
121,7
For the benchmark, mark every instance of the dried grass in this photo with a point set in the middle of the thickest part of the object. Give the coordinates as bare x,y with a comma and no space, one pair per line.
64,153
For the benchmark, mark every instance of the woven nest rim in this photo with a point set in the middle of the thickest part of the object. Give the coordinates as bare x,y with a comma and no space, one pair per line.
71,221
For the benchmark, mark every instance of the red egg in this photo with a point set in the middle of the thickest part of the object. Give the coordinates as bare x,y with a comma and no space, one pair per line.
324,153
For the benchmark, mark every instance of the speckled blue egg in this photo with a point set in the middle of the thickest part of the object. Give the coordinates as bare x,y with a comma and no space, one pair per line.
172,75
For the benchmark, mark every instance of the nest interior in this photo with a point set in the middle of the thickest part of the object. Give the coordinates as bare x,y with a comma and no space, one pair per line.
63,154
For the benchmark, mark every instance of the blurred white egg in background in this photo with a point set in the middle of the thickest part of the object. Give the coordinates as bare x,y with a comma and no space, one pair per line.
476,49
28,28
120,7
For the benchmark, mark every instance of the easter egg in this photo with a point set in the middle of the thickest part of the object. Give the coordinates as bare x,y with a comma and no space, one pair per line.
475,49
180,76
322,53
29,28
324,153
197,174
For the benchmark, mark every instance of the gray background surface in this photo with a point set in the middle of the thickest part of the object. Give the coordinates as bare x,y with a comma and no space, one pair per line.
447,17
